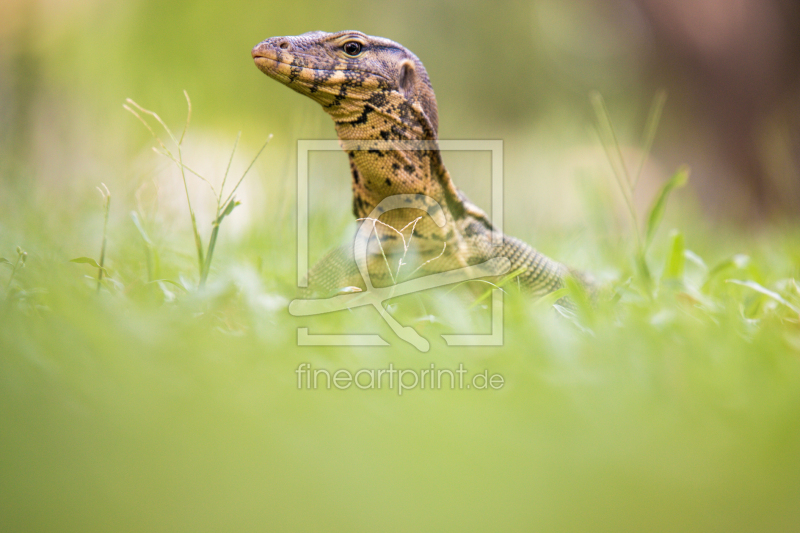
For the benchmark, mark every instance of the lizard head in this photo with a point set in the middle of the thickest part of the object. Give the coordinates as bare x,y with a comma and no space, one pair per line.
351,74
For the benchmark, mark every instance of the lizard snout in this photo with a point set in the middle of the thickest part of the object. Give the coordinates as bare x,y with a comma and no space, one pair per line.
258,51
270,47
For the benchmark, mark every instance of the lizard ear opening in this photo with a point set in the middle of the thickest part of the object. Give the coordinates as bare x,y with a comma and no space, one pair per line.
408,78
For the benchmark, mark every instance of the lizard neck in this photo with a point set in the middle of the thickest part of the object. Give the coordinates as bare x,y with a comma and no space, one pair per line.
389,169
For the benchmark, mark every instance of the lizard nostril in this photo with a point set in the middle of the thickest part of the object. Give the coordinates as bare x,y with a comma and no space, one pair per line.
284,45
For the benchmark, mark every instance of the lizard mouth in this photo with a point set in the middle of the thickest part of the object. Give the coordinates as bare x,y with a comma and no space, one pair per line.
268,61
264,56
263,62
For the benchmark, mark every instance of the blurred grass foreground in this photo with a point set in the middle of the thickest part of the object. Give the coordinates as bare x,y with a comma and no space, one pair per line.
150,373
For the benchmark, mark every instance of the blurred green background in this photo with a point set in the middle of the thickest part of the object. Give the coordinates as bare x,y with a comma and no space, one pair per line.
150,408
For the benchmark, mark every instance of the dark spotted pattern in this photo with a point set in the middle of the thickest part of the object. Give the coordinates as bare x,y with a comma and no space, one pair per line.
384,94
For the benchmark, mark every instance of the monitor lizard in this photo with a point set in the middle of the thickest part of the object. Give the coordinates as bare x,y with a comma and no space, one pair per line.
377,92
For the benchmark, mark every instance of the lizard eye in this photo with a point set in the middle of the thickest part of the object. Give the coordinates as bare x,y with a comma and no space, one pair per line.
352,48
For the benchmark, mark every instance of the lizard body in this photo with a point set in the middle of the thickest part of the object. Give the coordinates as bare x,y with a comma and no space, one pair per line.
377,91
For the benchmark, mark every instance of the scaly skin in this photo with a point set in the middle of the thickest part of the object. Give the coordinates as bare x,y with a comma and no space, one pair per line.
377,90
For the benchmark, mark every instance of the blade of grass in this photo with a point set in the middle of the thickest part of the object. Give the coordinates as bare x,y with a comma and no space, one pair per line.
188,116
676,261
212,243
187,167
227,170
499,285
738,261
608,138
86,261
650,131
198,243
548,300
148,246
577,294
656,212
224,208
695,259
763,290
158,119
171,282
107,197
253,162
21,257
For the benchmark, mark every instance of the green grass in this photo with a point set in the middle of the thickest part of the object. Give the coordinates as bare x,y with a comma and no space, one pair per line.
672,404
